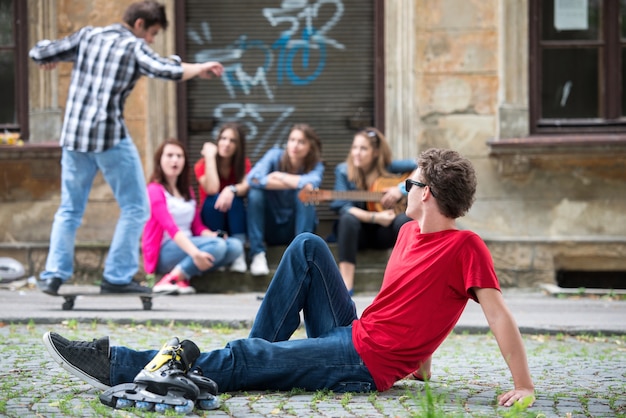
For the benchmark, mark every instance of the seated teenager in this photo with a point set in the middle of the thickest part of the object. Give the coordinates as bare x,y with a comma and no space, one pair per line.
223,186
361,224
275,213
175,242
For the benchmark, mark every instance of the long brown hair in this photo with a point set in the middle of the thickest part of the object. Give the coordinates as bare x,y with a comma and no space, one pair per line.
182,182
315,153
378,142
238,160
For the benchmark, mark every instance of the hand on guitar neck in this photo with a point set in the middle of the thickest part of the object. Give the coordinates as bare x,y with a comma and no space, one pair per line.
373,197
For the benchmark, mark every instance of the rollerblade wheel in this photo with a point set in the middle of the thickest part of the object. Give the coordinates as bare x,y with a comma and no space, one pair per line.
161,408
144,406
209,404
185,409
122,403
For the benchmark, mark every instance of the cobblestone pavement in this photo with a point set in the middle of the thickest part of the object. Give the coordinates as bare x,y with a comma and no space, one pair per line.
581,376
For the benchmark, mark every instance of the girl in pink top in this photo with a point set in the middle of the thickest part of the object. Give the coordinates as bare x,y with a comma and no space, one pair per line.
175,241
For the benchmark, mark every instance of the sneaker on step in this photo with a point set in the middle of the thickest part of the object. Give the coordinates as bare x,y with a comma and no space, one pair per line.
239,265
167,284
258,266
184,288
87,360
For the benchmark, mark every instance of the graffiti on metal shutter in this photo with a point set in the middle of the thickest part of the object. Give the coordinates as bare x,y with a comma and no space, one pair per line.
296,57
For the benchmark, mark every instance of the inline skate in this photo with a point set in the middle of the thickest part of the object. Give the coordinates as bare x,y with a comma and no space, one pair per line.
166,382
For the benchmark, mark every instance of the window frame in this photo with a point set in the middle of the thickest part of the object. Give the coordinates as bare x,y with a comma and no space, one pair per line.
20,36
612,122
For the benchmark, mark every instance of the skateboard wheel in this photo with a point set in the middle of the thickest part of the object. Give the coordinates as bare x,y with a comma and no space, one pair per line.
68,305
147,303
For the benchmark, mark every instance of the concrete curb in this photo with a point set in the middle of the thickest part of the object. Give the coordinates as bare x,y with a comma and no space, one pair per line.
535,311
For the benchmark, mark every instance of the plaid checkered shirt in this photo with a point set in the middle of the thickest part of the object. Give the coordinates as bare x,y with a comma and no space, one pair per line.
108,61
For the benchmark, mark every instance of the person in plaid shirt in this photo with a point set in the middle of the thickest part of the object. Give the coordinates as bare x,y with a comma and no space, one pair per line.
108,61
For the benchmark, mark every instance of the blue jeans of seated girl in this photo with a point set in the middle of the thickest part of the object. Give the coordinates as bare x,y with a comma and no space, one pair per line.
233,221
224,251
306,280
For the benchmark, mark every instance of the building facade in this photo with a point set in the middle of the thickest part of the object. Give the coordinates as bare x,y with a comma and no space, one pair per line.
530,91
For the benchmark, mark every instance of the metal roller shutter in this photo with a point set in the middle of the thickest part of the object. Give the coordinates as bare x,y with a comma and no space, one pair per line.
286,62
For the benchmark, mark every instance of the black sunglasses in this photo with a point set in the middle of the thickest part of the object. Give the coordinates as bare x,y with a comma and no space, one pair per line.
409,183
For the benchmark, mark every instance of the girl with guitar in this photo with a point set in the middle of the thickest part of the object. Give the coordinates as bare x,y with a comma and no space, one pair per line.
369,188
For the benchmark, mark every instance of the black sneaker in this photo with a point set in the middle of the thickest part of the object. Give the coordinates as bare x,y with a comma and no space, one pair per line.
86,360
50,286
132,287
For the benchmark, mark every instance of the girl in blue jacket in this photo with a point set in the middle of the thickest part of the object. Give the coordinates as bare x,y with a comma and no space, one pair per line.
275,213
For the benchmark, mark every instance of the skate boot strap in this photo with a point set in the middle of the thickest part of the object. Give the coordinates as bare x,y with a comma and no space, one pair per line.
189,353
182,354
168,353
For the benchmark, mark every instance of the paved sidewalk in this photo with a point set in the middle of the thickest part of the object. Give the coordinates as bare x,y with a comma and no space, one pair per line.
578,375
535,310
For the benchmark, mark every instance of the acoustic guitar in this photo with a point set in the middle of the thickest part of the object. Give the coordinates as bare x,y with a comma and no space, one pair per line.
372,196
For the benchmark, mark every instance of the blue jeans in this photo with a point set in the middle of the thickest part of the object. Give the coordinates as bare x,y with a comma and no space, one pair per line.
307,280
233,221
122,170
265,208
224,251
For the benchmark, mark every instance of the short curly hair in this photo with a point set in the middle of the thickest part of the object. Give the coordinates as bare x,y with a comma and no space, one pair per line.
150,11
452,180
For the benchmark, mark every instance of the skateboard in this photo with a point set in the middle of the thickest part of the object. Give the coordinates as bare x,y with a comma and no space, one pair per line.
70,296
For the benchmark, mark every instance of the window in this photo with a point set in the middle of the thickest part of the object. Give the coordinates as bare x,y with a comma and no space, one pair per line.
577,51
13,67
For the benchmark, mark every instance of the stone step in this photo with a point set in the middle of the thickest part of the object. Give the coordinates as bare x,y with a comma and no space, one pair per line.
90,256
369,273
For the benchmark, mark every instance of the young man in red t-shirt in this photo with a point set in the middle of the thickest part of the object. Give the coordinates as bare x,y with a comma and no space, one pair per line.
433,271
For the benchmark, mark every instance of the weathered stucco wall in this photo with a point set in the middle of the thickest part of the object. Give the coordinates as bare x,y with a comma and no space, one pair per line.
554,203
456,77
30,176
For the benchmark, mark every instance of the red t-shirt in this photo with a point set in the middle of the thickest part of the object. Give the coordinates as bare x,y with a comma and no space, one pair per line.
424,292
200,168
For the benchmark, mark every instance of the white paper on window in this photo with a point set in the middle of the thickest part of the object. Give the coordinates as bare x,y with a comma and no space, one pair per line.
571,14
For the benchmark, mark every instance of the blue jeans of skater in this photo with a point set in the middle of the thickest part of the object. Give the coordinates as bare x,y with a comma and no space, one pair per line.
233,221
224,251
275,217
122,170
307,280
